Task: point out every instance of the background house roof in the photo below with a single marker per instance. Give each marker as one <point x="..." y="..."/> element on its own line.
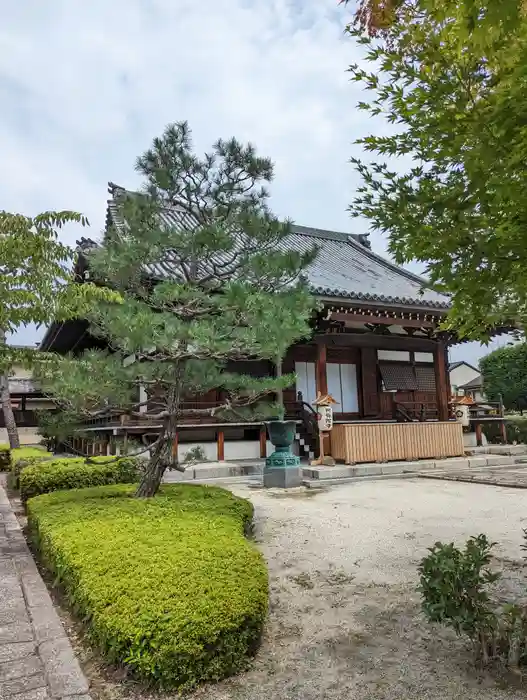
<point x="475" y="383"/>
<point x="345" y="267"/>
<point x="455" y="365"/>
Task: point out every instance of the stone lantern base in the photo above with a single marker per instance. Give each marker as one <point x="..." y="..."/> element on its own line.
<point x="282" y="468"/>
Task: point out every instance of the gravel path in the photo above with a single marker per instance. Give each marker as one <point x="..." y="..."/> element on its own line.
<point x="345" y="620"/>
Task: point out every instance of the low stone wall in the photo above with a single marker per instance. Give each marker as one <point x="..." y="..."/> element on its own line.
<point x="28" y="436"/>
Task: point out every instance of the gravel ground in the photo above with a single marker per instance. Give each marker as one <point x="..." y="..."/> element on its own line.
<point x="344" y="619"/>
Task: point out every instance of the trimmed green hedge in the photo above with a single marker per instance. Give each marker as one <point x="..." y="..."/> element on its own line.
<point x="168" y="586"/>
<point x="18" y="464"/>
<point x="75" y="473"/>
<point x="5" y="457"/>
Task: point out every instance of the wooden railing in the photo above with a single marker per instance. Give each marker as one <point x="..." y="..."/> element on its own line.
<point x="294" y="411"/>
<point x="308" y="425"/>
<point x="412" y="411"/>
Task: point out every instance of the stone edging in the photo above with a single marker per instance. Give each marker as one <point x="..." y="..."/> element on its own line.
<point x="37" y="661"/>
<point x="469" y="479"/>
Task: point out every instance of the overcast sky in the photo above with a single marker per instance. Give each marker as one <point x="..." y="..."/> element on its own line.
<point x="85" y="86"/>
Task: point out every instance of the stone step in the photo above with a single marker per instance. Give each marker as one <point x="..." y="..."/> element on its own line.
<point x="340" y="472"/>
<point x="323" y="483"/>
<point x="214" y="470"/>
<point x="508" y="450"/>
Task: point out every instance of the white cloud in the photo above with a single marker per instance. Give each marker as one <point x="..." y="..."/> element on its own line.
<point x="85" y="86"/>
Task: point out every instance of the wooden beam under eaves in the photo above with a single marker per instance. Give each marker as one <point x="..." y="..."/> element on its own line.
<point x="384" y="320"/>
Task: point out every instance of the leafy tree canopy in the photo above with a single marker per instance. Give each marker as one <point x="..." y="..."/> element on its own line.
<point x="206" y="280"/>
<point x="504" y="373"/>
<point x="450" y="76"/>
<point x="36" y="286"/>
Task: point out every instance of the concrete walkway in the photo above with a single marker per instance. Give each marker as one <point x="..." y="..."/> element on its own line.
<point x="36" y="658"/>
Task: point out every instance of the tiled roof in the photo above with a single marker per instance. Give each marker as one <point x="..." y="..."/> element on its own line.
<point x="345" y="267"/>
<point x="455" y="365"/>
<point x="475" y="383"/>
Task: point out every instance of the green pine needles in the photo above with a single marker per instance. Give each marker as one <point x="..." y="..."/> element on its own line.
<point x="206" y="279"/>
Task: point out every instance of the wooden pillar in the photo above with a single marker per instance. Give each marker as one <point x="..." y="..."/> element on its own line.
<point x="369" y="381"/>
<point x="442" y="381"/>
<point x="220" y="444"/>
<point x="321" y="376"/>
<point x="263" y="442"/>
<point x="503" y="431"/>
<point x="321" y="379"/>
<point x="175" y="446"/>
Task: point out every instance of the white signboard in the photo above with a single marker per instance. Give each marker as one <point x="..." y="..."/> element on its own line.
<point x="325" y="418"/>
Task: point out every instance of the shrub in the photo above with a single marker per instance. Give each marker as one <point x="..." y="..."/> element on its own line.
<point x="168" y="586"/>
<point x="5" y="457"/>
<point x="21" y="463"/>
<point x="516" y="427"/>
<point x="9" y="456"/>
<point x="74" y="473"/>
<point x="455" y="585"/>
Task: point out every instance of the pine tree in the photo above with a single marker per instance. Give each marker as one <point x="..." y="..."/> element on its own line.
<point x="206" y="279"/>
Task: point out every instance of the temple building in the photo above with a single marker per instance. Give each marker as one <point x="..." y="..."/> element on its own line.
<point x="376" y="348"/>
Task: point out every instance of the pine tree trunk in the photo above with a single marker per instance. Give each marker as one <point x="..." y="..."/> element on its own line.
<point x="152" y="477"/>
<point x="159" y="462"/>
<point x="7" y="410"/>
<point x="164" y="455"/>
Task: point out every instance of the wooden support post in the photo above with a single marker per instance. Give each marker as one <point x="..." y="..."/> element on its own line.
<point x="263" y="442"/>
<point x="479" y="435"/>
<point x="503" y="431"/>
<point x="321" y="376"/>
<point x="369" y="382"/>
<point x="175" y="446"/>
<point x="442" y="383"/>
<point x="220" y="444"/>
<point x="125" y="443"/>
